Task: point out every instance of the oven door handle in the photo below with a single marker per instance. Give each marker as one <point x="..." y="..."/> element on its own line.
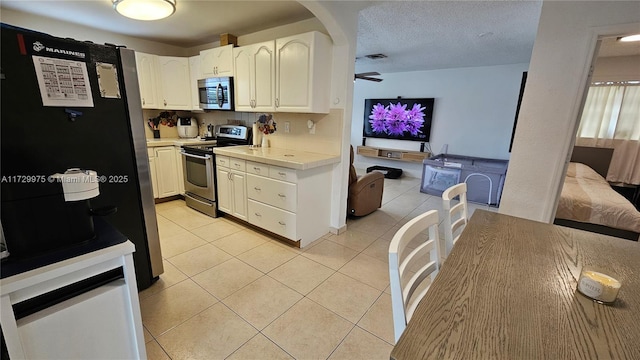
<point x="206" y="157"/>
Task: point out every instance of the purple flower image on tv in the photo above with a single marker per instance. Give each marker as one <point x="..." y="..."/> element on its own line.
<point x="396" y="119"/>
<point x="378" y="114"/>
<point x="415" y="119"/>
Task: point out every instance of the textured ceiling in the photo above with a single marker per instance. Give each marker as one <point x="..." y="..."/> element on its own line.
<point x="419" y="35"/>
<point x="415" y="35"/>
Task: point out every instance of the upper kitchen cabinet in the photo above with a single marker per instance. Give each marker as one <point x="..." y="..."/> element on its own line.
<point x="217" y="62"/>
<point x="255" y="77"/>
<point x="147" y="68"/>
<point x="194" y="72"/>
<point x="175" y="83"/>
<point x="303" y="73"/>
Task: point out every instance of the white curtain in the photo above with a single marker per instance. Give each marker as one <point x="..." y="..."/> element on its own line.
<point x="611" y="119"/>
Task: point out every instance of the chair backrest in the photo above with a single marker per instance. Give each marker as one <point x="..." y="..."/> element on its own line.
<point x="456" y="216"/>
<point x="414" y="256"/>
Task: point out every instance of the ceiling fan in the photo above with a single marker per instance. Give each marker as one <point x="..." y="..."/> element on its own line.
<point x="367" y="76"/>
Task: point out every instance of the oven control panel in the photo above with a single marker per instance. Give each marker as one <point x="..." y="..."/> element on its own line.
<point x="238" y="132"/>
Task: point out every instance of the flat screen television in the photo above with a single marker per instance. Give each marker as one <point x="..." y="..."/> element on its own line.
<point x="400" y="119"/>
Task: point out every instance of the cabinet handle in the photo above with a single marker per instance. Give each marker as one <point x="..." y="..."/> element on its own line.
<point x="258" y="215"/>
<point x="143" y="101"/>
<point x="282" y="174"/>
<point x="281" y="223"/>
<point x="277" y="102"/>
<point x="229" y="176"/>
<point x="237" y="165"/>
<point x="282" y="195"/>
<point x="257" y="169"/>
<point x="165" y="103"/>
<point x="257" y="188"/>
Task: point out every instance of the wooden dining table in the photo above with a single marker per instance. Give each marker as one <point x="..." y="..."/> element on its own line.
<point x="508" y="291"/>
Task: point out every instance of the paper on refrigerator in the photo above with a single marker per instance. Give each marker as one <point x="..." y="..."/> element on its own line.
<point x="63" y="82"/>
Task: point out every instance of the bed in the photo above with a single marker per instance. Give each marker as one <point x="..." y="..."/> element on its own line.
<point x="588" y="202"/>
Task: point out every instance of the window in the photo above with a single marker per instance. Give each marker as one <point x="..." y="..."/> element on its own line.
<point x="611" y="111"/>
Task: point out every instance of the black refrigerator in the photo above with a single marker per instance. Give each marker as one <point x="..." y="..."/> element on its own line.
<point x="72" y="104"/>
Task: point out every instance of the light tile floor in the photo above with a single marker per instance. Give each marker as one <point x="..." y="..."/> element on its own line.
<point x="229" y="292"/>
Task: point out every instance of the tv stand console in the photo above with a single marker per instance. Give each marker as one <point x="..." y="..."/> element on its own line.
<point x="393" y="154"/>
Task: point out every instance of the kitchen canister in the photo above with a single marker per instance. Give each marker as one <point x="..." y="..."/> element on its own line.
<point x="599" y="286"/>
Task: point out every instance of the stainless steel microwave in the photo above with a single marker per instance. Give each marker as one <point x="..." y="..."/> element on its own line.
<point x="216" y="93"/>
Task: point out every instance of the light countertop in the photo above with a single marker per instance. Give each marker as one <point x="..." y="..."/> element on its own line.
<point x="177" y="142"/>
<point x="293" y="159"/>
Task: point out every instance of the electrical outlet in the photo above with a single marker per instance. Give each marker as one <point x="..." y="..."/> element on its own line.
<point x="287" y="127"/>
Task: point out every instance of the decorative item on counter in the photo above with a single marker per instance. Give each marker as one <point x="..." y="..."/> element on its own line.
<point x="256" y="137"/>
<point x="598" y="286"/>
<point x="167" y="118"/>
<point x="266" y="125"/>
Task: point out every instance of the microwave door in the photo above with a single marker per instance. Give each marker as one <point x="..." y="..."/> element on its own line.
<point x="203" y="97"/>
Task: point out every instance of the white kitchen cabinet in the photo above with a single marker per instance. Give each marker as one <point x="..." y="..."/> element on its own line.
<point x="232" y="195"/>
<point x="303" y="73"/>
<point x="291" y="203"/>
<point x="180" y="169"/>
<point x="255" y="77"/>
<point x="166" y="171"/>
<point x="147" y="68"/>
<point x="217" y="62"/>
<point x="194" y="76"/>
<point x="175" y="83"/>
<point x="152" y="172"/>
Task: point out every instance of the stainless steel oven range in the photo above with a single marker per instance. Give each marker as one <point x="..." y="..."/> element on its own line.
<point x="199" y="167"/>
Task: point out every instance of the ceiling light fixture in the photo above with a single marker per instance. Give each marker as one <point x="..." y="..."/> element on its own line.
<point x="629" y="38"/>
<point x="145" y="9"/>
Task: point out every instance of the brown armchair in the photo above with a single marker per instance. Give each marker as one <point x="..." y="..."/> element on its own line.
<point x="365" y="192"/>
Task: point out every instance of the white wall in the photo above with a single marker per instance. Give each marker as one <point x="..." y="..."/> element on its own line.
<point x="474" y="111"/>
<point x="83" y="33"/>
<point x="553" y="99"/>
<point x="617" y="68"/>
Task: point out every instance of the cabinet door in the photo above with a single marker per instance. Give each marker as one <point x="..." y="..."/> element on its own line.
<point x="294" y="61"/>
<point x="224" y="190"/>
<point x="194" y="75"/>
<point x="166" y="171"/>
<point x="154" y="177"/>
<point x="303" y="73"/>
<point x="147" y="72"/>
<point x="239" y="195"/>
<point x="179" y="169"/>
<point x="175" y="83"/>
<point x="217" y="62"/>
<point x="264" y="66"/>
<point x="243" y="82"/>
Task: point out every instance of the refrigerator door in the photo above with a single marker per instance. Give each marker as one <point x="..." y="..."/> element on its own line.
<point x="136" y="121"/>
<point x="42" y="135"/>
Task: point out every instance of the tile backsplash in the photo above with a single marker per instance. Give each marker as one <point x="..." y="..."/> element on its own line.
<point x="326" y="139"/>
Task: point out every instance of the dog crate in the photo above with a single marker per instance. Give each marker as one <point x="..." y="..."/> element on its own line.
<point x="484" y="177"/>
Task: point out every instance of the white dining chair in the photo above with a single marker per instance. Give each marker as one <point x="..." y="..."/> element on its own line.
<point x="456" y="216"/>
<point x="422" y="253"/>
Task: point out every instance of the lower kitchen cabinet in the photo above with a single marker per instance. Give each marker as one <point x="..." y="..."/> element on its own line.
<point x="180" y="170"/>
<point x="294" y="204"/>
<point x="232" y="195"/>
<point x="154" y="177"/>
<point x="165" y="165"/>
